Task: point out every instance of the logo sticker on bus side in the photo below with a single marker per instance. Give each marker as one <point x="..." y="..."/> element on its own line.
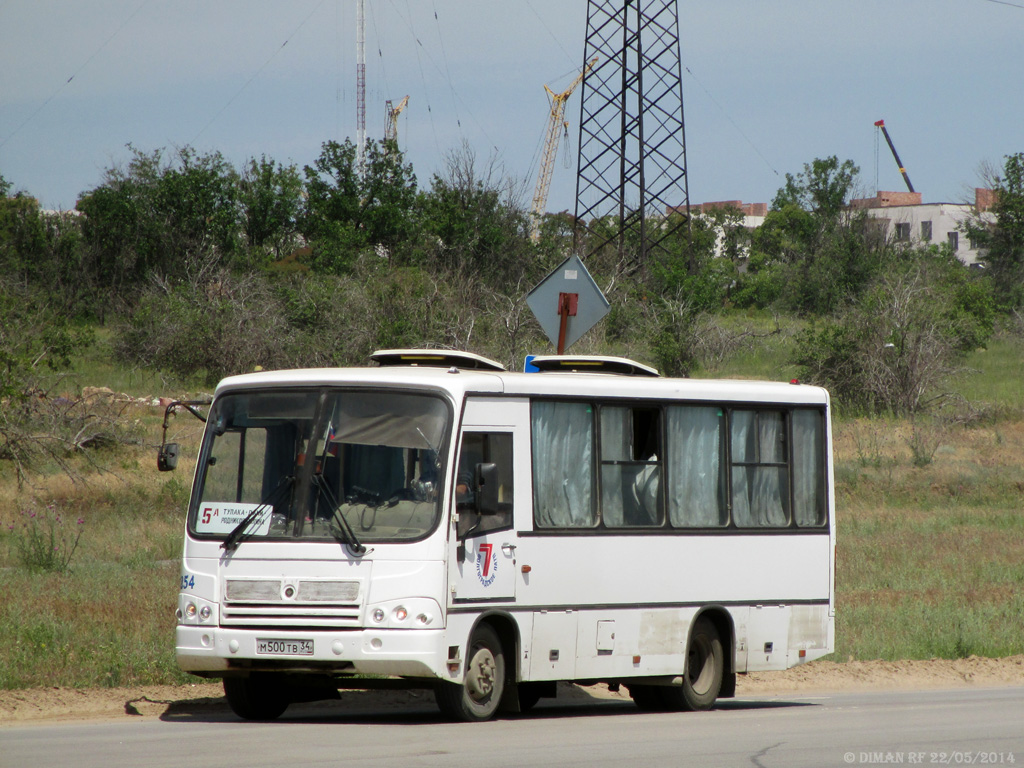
<point x="486" y="564"/>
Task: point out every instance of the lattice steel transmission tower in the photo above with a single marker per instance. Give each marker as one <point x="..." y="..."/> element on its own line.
<point x="632" y="147"/>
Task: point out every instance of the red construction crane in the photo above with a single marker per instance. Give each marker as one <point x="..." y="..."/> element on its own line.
<point x="899" y="164"/>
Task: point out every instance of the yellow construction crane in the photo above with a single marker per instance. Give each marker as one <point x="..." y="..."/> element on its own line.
<point x="391" y="129"/>
<point x="547" y="163"/>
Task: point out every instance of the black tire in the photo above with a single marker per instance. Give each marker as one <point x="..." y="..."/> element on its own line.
<point x="478" y="697"/>
<point x="259" y="696"/>
<point x="647" y="697"/>
<point x="705" y="669"/>
<point x="529" y="695"/>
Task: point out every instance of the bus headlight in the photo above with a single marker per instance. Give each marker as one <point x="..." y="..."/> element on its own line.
<point x="409" y="613"/>
<point x="195" y="610"/>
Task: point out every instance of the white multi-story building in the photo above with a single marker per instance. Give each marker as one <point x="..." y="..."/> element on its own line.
<point x="908" y="220"/>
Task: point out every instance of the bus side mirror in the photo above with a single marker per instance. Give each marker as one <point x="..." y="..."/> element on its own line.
<point x="485" y="482"/>
<point x="167" y="458"/>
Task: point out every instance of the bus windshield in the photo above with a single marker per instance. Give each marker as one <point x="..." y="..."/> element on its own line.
<point x="321" y="464"/>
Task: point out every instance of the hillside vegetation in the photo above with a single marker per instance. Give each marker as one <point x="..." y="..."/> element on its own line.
<point x="175" y="272"/>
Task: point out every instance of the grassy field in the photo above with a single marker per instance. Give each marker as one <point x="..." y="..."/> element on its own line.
<point x="930" y="555"/>
<point x="109" y="620"/>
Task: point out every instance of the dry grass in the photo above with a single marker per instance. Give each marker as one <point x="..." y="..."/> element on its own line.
<point x="110" y="619"/>
<point x="930" y="555"/>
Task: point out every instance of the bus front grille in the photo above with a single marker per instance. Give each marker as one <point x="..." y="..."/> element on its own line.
<point x="291" y="615"/>
<point x="291" y="603"/>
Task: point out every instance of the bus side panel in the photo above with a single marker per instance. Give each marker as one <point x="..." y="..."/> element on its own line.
<point x="631" y="615"/>
<point x="554" y="652"/>
<point x="570" y="571"/>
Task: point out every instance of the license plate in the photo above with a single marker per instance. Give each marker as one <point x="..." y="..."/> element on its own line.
<point x="285" y="647"/>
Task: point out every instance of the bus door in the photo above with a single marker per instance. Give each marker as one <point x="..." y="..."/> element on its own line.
<point x="482" y="560"/>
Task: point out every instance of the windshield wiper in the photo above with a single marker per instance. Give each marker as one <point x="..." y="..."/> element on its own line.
<point x="339" y="524"/>
<point x="235" y="537"/>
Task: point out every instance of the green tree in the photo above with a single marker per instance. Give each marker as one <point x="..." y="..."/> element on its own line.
<point x="823" y="187"/>
<point x="169" y="220"/>
<point x="1003" y="240"/>
<point x="22" y="235"/>
<point x="812" y="255"/>
<point x="270" y="196"/>
<point x="349" y="209"/>
<point x="229" y="325"/>
<point x="698" y="262"/>
<point x="473" y="222"/>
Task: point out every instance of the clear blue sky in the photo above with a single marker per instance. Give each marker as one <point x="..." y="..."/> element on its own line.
<point x="769" y="85"/>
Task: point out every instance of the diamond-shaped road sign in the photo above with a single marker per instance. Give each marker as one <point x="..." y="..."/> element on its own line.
<point x="567" y="303"/>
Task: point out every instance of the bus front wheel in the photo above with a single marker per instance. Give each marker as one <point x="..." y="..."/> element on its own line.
<point x="256" y="697"/>
<point x="705" y="669"/>
<point x="478" y="697"/>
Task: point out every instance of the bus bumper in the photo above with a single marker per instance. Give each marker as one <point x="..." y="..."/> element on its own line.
<point x="216" y="651"/>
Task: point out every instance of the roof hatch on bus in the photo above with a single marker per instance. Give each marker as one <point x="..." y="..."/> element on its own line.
<point x="434" y="358"/>
<point x="592" y="364"/>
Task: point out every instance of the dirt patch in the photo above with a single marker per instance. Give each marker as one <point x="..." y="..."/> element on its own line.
<point x="50" y="704"/>
<point x="886" y="675"/>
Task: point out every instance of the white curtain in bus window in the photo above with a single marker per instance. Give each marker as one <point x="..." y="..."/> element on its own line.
<point x="629" y="481"/>
<point x="808" y="476"/>
<point x="615" y="447"/>
<point x="695" y="490"/>
<point x="563" y="438"/>
<point x="759" y="482"/>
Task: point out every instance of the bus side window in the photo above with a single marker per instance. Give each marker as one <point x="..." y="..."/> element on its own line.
<point x="630" y="469"/>
<point x="808" y="474"/>
<point x="697" y="489"/>
<point x="483" y="448"/>
<point x="760" y="472"/>
<point x="562" y="452"/>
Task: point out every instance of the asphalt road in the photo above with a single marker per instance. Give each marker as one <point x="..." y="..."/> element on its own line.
<point x="960" y="727"/>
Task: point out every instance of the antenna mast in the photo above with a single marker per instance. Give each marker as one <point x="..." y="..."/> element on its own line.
<point x="361" y="83"/>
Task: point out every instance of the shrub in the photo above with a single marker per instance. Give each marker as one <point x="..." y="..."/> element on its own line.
<point x="216" y="328"/>
<point x="43" y="540"/>
<point x="894" y="348"/>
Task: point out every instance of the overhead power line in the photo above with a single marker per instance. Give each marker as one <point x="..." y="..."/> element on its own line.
<point x="75" y="74"/>
<point x="257" y="72"/>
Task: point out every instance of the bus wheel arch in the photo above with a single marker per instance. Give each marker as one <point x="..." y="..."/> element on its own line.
<point x="707" y="664"/>
<point x="489" y="673"/>
<point x="709" y="672"/>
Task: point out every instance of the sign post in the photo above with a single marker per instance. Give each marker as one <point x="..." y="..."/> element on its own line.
<point x="567" y="303"/>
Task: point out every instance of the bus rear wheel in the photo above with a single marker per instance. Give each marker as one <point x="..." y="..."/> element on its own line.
<point x="705" y="669"/>
<point x="259" y="696"/>
<point x="478" y="697"/>
<point x="648" y="698"/>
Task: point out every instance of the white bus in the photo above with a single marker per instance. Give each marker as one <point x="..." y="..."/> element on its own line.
<point x="436" y="521"/>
